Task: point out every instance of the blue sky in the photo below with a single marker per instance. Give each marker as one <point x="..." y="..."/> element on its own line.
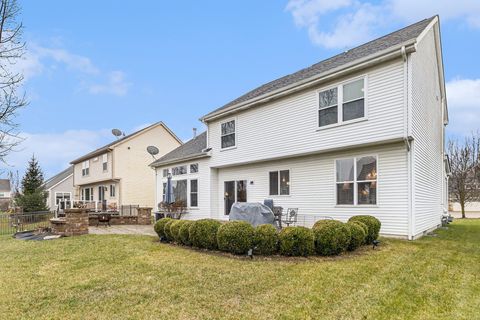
<point x="95" y="65"/>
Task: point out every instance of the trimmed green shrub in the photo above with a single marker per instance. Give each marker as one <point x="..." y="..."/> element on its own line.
<point x="363" y="226"/>
<point x="203" y="233"/>
<point x="296" y="241"/>
<point x="373" y="225"/>
<point x="184" y="232"/>
<point x="175" y="230"/>
<point x="235" y="237"/>
<point x="332" y="237"/>
<point x="168" y="231"/>
<point x="160" y="227"/>
<point x="357" y="235"/>
<point x="265" y="239"/>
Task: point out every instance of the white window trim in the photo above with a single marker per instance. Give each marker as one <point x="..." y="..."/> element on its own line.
<point x="340" y="103"/>
<point x="189" y="187"/>
<point x="110" y="190"/>
<point x="355" y="182"/>
<point x="105" y="161"/>
<point x="236" y="134"/>
<point x="85" y="166"/>
<point x="290" y="185"/>
<point x="190" y="168"/>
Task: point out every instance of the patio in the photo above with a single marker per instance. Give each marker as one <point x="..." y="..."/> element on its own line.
<point x="123" y="229"/>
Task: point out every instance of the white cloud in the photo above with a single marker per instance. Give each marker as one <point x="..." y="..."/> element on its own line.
<point x="116" y="84"/>
<point x="39" y="60"/>
<point x="345" y="23"/>
<point x="463" y="103"/>
<point x="56" y="150"/>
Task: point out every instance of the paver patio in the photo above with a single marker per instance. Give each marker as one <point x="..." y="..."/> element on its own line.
<point x="123" y="229"/>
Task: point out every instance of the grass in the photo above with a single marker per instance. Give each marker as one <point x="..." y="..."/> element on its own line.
<point x="136" y="277"/>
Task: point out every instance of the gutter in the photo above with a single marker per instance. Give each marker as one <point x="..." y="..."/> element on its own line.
<point x="385" y="55"/>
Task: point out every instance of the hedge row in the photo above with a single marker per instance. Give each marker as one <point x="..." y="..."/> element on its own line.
<point x="327" y="237"/>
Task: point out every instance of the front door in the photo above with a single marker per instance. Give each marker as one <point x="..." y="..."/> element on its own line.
<point x="234" y="191"/>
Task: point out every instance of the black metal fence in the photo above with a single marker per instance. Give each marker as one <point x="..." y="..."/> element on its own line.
<point x="11" y="223"/>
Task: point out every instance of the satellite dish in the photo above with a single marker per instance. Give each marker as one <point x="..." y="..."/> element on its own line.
<point x="153" y="151"/>
<point x="117" y="133"/>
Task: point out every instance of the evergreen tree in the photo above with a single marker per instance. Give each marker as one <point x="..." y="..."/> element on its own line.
<point x="33" y="196"/>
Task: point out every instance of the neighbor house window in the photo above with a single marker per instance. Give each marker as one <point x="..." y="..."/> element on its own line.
<point x="342" y="103"/>
<point x="112" y="190"/>
<point x="87" y="194"/>
<point x="279" y="182"/>
<point x="194" y="193"/>
<point x="179" y="170"/>
<point x="228" y="134"/>
<point x="165" y="173"/>
<point x="85" y="168"/>
<point x="356" y="180"/>
<point x="105" y="162"/>
<point x="194" y="168"/>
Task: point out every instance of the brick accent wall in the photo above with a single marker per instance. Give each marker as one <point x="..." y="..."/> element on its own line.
<point x="145" y="216"/>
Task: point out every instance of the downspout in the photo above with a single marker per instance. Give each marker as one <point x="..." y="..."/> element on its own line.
<point x="408" y="139"/>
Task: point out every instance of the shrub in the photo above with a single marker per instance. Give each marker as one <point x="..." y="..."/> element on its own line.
<point x="184" y="233"/>
<point x="265" y="239"/>
<point x="160" y="227"/>
<point x="357" y="235"/>
<point x="235" y="237"/>
<point x="175" y="230"/>
<point x="203" y="233"/>
<point x="296" y="241"/>
<point x="373" y="225"/>
<point x="363" y="226"/>
<point x="332" y="237"/>
<point x="168" y="231"/>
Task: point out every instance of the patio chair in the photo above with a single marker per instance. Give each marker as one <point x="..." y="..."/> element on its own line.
<point x="278" y="212"/>
<point x="291" y="216"/>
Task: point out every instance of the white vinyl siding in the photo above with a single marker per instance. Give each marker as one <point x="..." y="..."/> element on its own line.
<point x="85" y="168"/>
<point x="426" y="129"/>
<point x="289" y="126"/>
<point x="313" y="192"/>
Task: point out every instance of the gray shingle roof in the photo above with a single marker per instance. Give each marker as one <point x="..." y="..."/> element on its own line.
<point x="58" y="177"/>
<point x="106" y="147"/>
<point x="391" y="40"/>
<point x="5" y="185"/>
<point x="189" y="149"/>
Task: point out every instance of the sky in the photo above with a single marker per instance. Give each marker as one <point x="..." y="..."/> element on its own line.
<point x="91" y="66"/>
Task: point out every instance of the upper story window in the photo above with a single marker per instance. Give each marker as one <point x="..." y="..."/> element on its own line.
<point x="342" y="103"/>
<point x="356" y="181"/>
<point x="105" y="162"/>
<point x="179" y="170"/>
<point x="228" y="134"/>
<point x="194" y="168"/>
<point x="280" y="183"/>
<point x="85" y="168"/>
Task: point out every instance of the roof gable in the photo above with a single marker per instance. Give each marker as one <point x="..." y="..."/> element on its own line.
<point x="56" y="179"/>
<point x="343" y="59"/>
<point x="192" y="148"/>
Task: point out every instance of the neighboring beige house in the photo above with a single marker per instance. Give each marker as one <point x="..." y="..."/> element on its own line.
<point x="118" y="174"/>
<point x="5" y="194"/>
<point x="60" y="190"/>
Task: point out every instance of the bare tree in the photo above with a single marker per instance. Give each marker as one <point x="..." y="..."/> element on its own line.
<point x="465" y="170"/>
<point x="12" y="49"/>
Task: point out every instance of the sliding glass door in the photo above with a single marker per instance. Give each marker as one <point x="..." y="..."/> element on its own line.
<point x="234" y="191"/>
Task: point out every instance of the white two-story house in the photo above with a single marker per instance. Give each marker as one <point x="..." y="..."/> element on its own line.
<point x="118" y="173"/>
<point x="359" y="133"/>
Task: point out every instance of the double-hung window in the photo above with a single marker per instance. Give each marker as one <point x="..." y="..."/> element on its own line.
<point x="356" y="181"/>
<point x="342" y="103"/>
<point x="85" y="168"/>
<point x="194" y="193"/>
<point x="228" y="134"/>
<point x="279" y="182"/>
<point x="105" y="162"/>
<point x="87" y="194"/>
<point x="112" y="191"/>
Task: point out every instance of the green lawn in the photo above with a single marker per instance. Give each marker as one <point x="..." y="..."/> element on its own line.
<point x="133" y="277"/>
